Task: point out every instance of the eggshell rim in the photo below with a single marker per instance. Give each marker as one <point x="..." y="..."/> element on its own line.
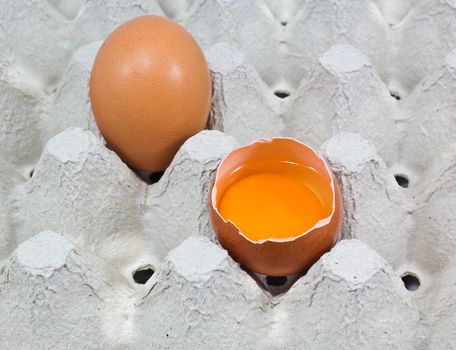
<point x="320" y="223"/>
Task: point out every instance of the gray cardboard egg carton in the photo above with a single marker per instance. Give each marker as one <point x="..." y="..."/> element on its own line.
<point x="371" y="84"/>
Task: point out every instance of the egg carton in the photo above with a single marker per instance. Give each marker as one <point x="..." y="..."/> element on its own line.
<point x="371" y="84"/>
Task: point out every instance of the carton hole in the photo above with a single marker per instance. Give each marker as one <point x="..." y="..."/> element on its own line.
<point x="395" y="95"/>
<point x="149" y="178"/>
<point x="402" y="180"/>
<point x="275" y="285"/>
<point x="411" y="281"/>
<point x="276" y="281"/>
<point x="282" y="93"/>
<point x="141" y="276"/>
<point x="154" y="177"/>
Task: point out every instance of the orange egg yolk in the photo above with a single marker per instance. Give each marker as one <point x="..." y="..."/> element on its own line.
<point x="274" y="205"/>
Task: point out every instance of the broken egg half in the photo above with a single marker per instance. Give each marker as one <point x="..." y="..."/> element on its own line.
<point x="275" y="206"/>
<point x="150" y="90"/>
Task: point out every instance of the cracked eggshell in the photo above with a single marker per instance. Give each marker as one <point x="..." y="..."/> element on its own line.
<point x="276" y="256"/>
<point x="150" y="90"/>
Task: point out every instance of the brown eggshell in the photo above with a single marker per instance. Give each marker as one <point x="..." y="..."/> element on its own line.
<point x="276" y="257"/>
<point x="150" y="90"/>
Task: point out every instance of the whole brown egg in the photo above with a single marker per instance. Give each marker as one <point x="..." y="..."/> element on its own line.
<point x="150" y="90"/>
